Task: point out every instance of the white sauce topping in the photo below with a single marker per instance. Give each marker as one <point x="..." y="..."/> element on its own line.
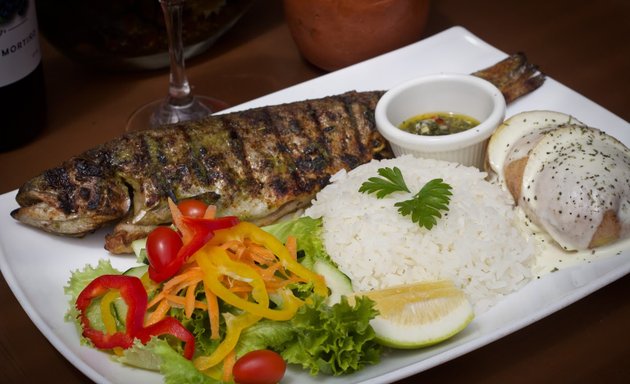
<point x="573" y="176"/>
<point x="552" y="258"/>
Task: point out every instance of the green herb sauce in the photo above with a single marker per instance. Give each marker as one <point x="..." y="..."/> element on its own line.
<point x="438" y="123"/>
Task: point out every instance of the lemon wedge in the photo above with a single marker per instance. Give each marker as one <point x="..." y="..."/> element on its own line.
<point x="420" y="314"/>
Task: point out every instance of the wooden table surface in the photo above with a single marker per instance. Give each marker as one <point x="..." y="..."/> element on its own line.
<point x="583" y="44"/>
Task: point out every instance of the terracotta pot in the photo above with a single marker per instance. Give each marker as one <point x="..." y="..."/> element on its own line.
<point x="333" y="34"/>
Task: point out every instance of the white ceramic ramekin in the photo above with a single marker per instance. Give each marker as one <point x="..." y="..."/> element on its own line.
<point x="463" y="94"/>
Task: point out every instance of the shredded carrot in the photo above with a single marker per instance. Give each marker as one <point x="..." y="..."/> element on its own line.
<point x="186" y="280"/>
<point x="180" y="302"/>
<point x="228" y="366"/>
<point x="291" y="245"/>
<point x="237" y="286"/>
<point x="169" y="296"/>
<point x="188" y="276"/>
<point x="213" y="312"/>
<point x="156" y="299"/>
<point x="159" y="313"/>
<point x="178" y="220"/>
<point x="189" y="306"/>
<point x="235" y="248"/>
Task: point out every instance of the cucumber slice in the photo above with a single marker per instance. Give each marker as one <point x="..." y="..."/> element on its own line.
<point x="137" y="271"/>
<point x="120" y="310"/>
<point x="139" y="249"/>
<point x="338" y="283"/>
<point x="94" y="315"/>
<point x="96" y="319"/>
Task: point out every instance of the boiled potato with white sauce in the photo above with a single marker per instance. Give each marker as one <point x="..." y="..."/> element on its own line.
<point x="571" y="180"/>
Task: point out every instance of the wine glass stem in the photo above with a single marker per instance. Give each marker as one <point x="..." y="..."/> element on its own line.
<point x="179" y="93"/>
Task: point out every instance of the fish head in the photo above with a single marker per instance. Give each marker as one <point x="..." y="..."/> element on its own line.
<point x="73" y="199"/>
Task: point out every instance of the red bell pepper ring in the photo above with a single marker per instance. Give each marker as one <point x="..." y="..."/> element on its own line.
<point x="170" y="326"/>
<point x="133" y="293"/>
<point x="195" y="232"/>
<point x="135" y="296"/>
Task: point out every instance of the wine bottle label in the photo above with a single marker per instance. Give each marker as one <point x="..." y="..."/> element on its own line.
<point x="19" y="41"/>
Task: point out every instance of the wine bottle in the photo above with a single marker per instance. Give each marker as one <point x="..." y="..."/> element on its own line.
<point x="22" y="94"/>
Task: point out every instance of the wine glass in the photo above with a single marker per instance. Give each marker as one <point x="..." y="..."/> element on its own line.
<point x="180" y="104"/>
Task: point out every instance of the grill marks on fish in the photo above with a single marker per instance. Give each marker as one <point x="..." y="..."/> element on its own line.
<point x="289" y="153"/>
<point x="259" y="164"/>
<point x="209" y="152"/>
<point x="301" y="150"/>
<point x="268" y="161"/>
<point x="253" y="147"/>
<point x="151" y="174"/>
<point x="338" y="141"/>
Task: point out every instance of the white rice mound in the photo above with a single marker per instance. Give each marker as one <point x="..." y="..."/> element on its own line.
<point x="476" y="244"/>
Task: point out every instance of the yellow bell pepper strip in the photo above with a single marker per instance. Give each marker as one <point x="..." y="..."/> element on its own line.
<point x="106" y="314"/>
<point x="244" y="230"/>
<point x="235" y="325"/>
<point x="215" y="263"/>
<point x="108" y="318"/>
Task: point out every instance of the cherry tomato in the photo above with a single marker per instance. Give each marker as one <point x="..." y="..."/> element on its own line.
<point x="163" y="243"/>
<point x="259" y="367"/>
<point x="192" y="208"/>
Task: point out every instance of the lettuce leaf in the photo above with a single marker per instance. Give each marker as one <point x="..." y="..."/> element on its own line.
<point x="175" y="368"/>
<point x="332" y="340"/>
<point x="265" y="334"/>
<point x="308" y="231"/>
<point x="80" y="278"/>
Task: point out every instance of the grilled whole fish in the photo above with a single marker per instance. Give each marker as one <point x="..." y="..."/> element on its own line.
<point x="258" y="164"/>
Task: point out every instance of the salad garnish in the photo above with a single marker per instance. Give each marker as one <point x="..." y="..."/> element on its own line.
<point x="200" y="301"/>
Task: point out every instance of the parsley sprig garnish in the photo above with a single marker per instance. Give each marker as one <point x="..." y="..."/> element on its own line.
<point x="392" y="181"/>
<point x="424" y="207"/>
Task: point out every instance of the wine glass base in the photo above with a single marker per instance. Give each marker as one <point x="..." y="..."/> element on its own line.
<point x="147" y="117"/>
